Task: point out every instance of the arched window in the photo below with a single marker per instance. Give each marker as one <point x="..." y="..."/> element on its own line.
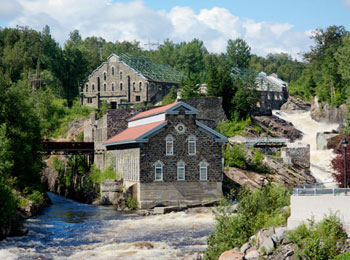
<point x="93" y="88"/>
<point x="169" y="145"/>
<point x="104" y="87"/>
<point x="133" y="86"/>
<point x="113" y="71"/>
<point x="87" y="88"/>
<point x="112" y="86"/>
<point x="192" y="145"/>
<point x="158" y="171"/>
<point x="203" y="171"/>
<point x="104" y="76"/>
<point x="121" y="86"/>
<point x="180" y="171"/>
<point x="121" y="75"/>
<point x="140" y="86"/>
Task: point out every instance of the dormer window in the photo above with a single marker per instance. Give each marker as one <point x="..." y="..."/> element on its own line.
<point x="191" y="145"/>
<point x="181" y="171"/>
<point x="169" y="145"/>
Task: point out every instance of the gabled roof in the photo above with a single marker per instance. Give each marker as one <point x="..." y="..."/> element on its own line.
<point x="137" y="134"/>
<point x="146" y="68"/>
<point x="168" y="109"/>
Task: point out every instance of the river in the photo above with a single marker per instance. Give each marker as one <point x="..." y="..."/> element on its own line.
<point x="320" y="160"/>
<point x="71" y="230"/>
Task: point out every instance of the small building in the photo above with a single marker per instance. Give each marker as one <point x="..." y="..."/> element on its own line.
<point x="168" y="157"/>
<point x="125" y="80"/>
<point x="273" y="92"/>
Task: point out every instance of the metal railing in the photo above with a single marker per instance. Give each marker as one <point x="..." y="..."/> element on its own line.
<point x="321" y="191"/>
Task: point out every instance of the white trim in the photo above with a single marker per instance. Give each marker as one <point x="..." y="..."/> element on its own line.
<point x="183" y="166"/>
<point x="218" y="137"/>
<point x="203" y="165"/>
<point x="169" y="139"/>
<point x="192" y="140"/>
<point x="146" y="121"/>
<point x="158" y="165"/>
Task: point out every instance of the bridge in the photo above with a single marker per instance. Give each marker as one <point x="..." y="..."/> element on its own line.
<point x="68" y="147"/>
<point x="259" y="142"/>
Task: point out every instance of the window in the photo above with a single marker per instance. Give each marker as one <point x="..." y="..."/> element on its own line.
<point x="113" y="71"/>
<point x="87" y="88"/>
<point x="203" y="171"/>
<point x="140" y="86"/>
<point x="181" y="171"/>
<point x="112" y="86"/>
<point x="104" y="76"/>
<point x="192" y="145"/>
<point x="121" y="86"/>
<point x="158" y="171"/>
<point x="104" y="87"/>
<point x="133" y="86"/>
<point x="89" y="100"/>
<point x="137" y="98"/>
<point x="93" y="88"/>
<point x="121" y="75"/>
<point x="169" y="147"/>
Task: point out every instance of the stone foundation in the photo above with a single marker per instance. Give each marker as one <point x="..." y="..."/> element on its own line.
<point x="175" y="193"/>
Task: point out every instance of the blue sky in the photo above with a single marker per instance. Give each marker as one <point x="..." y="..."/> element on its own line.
<point x="269" y="26"/>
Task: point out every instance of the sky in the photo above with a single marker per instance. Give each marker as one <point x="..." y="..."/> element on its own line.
<point x="268" y="26"/>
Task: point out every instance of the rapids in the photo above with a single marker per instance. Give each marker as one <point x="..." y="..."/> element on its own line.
<point x="70" y="230"/>
<point x="319" y="159"/>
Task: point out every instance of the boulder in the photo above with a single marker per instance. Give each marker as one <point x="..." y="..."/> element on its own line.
<point x="252" y="255"/>
<point x="231" y="255"/>
<point x="280" y="235"/>
<point x="263" y="234"/>
<point x="245" y="247"/>
<point x="267" y="246"/>
<point x="295" y="104"/>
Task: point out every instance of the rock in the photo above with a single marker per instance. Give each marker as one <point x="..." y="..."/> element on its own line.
<point x="267" y="246"/>
<point x="263" y="234"/>
<point x="278" y="127"/>
<point x="142" y="245"/>
<point x="280" y="234"/>
<point x="231" y="255"/>
<point x="322" y="112"/>
<point x="245" y="247"/>
<point x="295" y="104"/>
<point x="252" y="255"/>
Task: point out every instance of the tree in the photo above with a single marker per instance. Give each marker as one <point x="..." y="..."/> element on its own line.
<point x="343" y="58"/>
<point x="238" y="52"/>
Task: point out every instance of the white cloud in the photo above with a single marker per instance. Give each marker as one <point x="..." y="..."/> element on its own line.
<point x="135" y="21"/>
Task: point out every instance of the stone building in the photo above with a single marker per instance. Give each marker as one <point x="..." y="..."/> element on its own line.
<point x="168" y="157"/>
<point x="273" y="92"/>
<point x="124" y="80"/>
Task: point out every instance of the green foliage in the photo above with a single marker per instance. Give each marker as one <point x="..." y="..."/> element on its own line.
<point x="277" y="155"/>
<point x="255" y="211"/>
<point x="231" y="128"/>
<point x="98" y="176"/>
<point x="103" y="110"/>
<point x="131" y="203"/>
<point x="80" y="137"/>
<point x="170" y="98"/>
<point x="37" y="197"/>
<point x="238" y="52"/>
<point x="9" y="202"/>
<point x="258" y="157"/>
<point x="319" y="240"/>
<point x="345" y="256"/>
<point x="234" y="156"/>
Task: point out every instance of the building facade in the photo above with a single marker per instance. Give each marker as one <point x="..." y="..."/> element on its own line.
<point x="125" y="80"/>
<point x="168" y="157"/>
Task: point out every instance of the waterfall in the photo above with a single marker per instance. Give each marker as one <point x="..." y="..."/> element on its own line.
<point x="319" y="159"/>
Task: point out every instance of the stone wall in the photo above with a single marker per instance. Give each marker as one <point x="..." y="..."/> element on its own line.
<point x="207" y="150"/>
<point x="297" y="154"/>
<point x="176" y="193"/>
<point x="210" y="111"/>
<point x="111" y="190"/>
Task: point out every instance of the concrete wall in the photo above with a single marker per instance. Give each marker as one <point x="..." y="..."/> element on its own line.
<point x="306" y="207"/>
<point x="175" y="193"/>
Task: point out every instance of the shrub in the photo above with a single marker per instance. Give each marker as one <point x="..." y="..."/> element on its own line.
<point x="233" y="127"/>
<point x="37" y="197"/>
<point x="255" y="211"/>
<point x="131" y="203"/>
<point x="97" y="176"/>
<point x="319" y="241"/>
<point x="345" y="256"/>
<point x="234" y="156"/>
<point x="8" y="198"/>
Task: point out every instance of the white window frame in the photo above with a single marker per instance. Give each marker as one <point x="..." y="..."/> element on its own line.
<point x="158" y="165"/>
<point x="169" y="140"/>
<point x="192" y="140"/>
<point x="203" y="166"/>
<point x="181" y="166"/>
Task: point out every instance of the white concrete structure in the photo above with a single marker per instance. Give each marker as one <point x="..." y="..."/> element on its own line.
<point x="317" y="207"/>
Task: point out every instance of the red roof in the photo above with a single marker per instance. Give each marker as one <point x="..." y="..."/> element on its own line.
<point x="153" y="111"/>
<point x="133" y="133"/>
